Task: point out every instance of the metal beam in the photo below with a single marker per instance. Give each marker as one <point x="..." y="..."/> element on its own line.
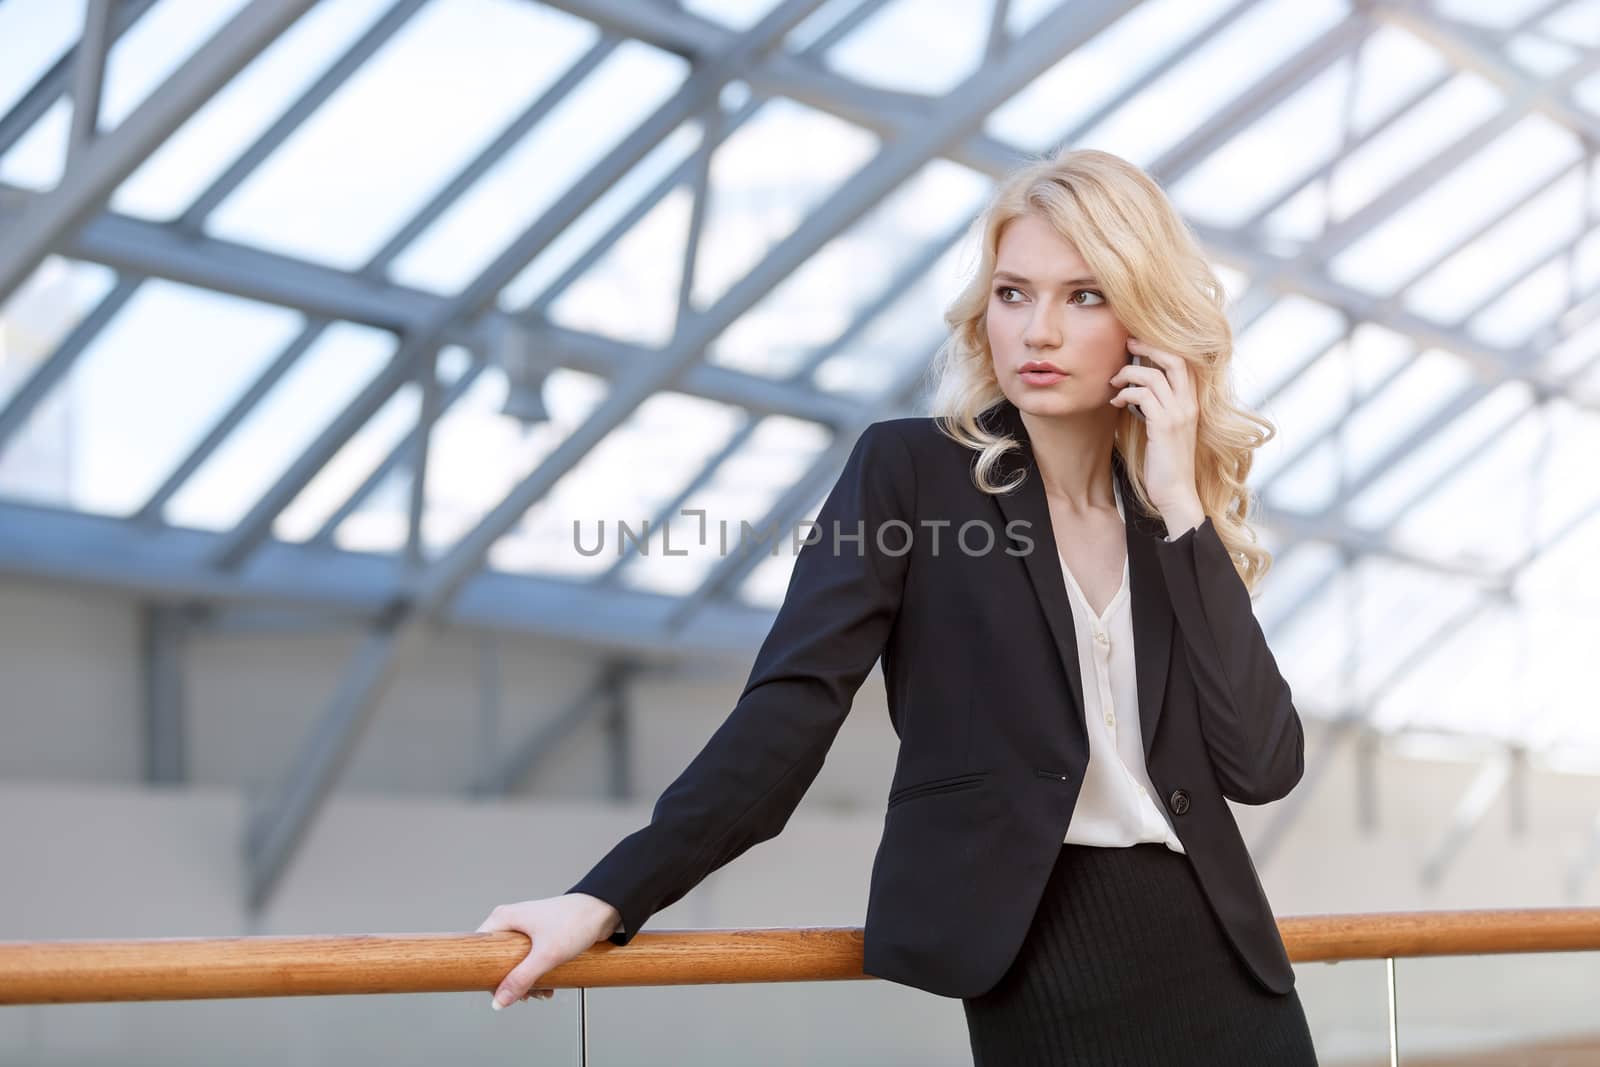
<point x="733" y="568"/>
<point x="85" y="186"/>
<point x="183" y="233"/>
<point x="403" y="454"/>
<point x="88" y="75"/>
<point x="303" y="586"/>
<point x="602" y="696"/>
<point x="277" y="830"/>
<point x="163" y="634"/>
<point x="43" y="94"/>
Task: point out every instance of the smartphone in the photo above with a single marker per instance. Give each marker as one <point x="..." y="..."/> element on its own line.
<point x="1138" y="361"/>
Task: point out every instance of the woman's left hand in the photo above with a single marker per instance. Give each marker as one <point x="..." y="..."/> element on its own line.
<point x="1165" y="394"/>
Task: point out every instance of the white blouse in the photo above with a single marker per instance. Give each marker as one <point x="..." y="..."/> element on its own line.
<point x="1115" y="806"/>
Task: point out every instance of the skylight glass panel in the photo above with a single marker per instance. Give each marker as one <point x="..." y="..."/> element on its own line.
<point x="1224" y="66"/>
<point x="563" y="255"/>
<point x="607" y="486"/>
<point x="1484" y="513"/>
<point x="1474" y="679"/>
<point x="1367" y="626"/>
<point x="766" y="178"/>
<point x="35" y="162"/>
<point x="322" y="382"/>
<point x="1586" y="94"/>
<point x="892" y="346"/>
<point x="1489" y="14"/>
<point x="1398" y="403"/>
<point x="45" y="308"/>
<point x="201" y="149"/>
<point x="631" y="292"/>
<point x="1437" y="458"/>
<point x="1564" y="574"/>
<point x="1438" y="217"/>
<point x="1539" y="55"/>
<point x="1482" y="269"/>
<point x="919" y="46"/>
<point x="154" y="48"/>
<point x="36" y="34"/>
<point x="1023" y="15"/>
<point x="815" y="304"/>
<point x="1089" y="77"/>
<point x="1310" y="410"/>
<point x="1568" y="462"/>
<point x="828" y="15"/>
<point x="768" y="582"/>
<point x="146" y="389"/>
<point x="1231" y="184"/>
<point x="360" y="167"/>
<point x="1234" y="282"/>
<point x="1394" y="66"/>
<point x="1508" y="673"/>
<point x="1578" y="349"/>
<point x="545" y="165"/>
<point x="1280" y="340"/>
<point x="151" y="50"/>
<point x="735" y="14"/>
<point x="476" y="453"/>
<point x="1529" y="304"/>
<point x="676" y="436"/>
<point x="1312" y="645"/>
<point x="36" y="462"/>
<point x="1410" y="141"/>
<point x="1586" y="387"/>
<point x="1298" y="571"/>
<point x="1578" y="22"/>
<point x="743" y="490"/>
<point x="348" y="468"/>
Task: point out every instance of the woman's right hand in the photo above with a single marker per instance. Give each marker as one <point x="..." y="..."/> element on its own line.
<point x="559" y="928"/>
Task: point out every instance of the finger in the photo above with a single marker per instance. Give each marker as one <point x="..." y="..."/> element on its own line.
<point x="516" y="984"/>
<point x="1137" y="394"/>
<point x="1161" y="377"/>
<point x="1179" y="372"/>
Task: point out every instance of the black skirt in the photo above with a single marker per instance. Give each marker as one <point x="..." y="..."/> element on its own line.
<point x="1125" y="963"/>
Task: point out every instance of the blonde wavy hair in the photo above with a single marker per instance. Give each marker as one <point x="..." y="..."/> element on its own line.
<point x="1162" y="289"/>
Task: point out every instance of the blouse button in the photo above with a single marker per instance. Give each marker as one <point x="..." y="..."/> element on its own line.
<point x="1099" y="635"/>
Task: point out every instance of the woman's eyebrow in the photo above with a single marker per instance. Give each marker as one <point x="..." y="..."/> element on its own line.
<point x="1005" y="275"/>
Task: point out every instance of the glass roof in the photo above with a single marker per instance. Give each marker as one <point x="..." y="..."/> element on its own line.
<point x="459" y="237"/>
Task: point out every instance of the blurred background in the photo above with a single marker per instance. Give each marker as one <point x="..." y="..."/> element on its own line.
<point x="340" y="341"/>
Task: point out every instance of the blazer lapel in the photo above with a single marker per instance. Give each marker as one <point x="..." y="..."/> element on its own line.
<point x="1152" y="612"/>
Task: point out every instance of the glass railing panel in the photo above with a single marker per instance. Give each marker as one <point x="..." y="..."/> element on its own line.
<point x="776" y="1024"/>
<point x="1347" y="1008"/>
<point x="1533" y="1010"/>
<point x="409" y="1030"/>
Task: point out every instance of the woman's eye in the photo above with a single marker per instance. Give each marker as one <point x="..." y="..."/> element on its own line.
<point x="1003" y="290"/>
<point x="1098" y="298"/>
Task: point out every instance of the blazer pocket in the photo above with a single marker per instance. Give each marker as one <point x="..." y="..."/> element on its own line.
<point x="937" y="785"/>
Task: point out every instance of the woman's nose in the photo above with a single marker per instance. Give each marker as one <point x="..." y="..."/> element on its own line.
<point x="1041" y="332"/>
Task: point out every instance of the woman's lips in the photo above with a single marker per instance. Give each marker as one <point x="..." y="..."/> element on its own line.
<point x="1041" y="377"/>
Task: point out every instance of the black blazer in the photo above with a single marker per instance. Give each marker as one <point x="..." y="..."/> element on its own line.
<point x="981" y="670"/>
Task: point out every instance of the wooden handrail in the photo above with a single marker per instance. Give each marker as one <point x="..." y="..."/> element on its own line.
<point x="195" y="968"/>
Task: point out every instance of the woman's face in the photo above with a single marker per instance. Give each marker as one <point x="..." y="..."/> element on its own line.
<point x="1046" y="308"/>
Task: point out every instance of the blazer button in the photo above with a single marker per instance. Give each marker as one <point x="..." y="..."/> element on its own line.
<point x="1179" y="801"/>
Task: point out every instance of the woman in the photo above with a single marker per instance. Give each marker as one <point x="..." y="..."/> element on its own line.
<point x="1076" y="695"/>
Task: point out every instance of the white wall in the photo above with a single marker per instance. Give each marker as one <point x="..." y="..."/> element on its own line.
<point x="90" y="852"/>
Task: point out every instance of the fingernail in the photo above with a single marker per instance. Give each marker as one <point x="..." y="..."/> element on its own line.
<point x="494" y="1001"/>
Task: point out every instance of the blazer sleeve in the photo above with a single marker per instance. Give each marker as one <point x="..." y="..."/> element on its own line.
<point x="1247" y="715"/>
<point x="842" y="600"/>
